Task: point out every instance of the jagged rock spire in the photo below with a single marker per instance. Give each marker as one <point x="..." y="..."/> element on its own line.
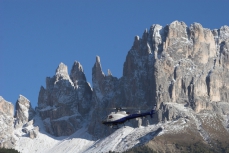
<point x="109" y="72"/>
<point x="24" y="111"/>
<point x="145" y="36"/>
<point x="6" y="107"/>
<point x="62" y="73"/>
<point x="62" y="70"/>
<point x="77" y="73"/>
<point x="136" y="44"/>
<point x="7" y="139"/>
<point x="65" y="99"/>
<point x="97" y="73"/>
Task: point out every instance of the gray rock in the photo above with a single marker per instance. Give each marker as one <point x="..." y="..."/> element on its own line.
<point x="167" y="65"/>
<point x="65" y="96"/>
<point x="29" y="123"/>
<point x="24" y="111"/>
<point x="82" y="88"/>
<point x="34" y="132"/>
<point x="6" y="124"/>
<point x="171" y="64"/>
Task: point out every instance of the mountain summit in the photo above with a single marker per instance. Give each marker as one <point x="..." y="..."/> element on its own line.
<point x="183" y="70"/>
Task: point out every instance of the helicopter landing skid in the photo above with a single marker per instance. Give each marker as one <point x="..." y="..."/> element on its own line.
<point x="116" y="126"/>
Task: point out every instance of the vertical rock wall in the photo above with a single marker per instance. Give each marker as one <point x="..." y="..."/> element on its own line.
<point x="6" y="124"/>
<point x="171" y="64"/>
<point x="65" y="100"/>
<point x="24" y="111"/>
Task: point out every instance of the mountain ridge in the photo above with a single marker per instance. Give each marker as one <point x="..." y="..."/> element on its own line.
<point x="183" y="70"/>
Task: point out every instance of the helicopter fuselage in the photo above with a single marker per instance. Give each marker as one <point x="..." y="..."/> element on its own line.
<point x="121" y="117"/>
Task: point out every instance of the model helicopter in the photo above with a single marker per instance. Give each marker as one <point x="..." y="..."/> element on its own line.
<point x="120" y="117"/>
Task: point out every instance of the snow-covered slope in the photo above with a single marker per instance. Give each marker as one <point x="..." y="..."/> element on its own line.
<point x="44" y="142"/>
<point x="122" y="139"/>
<point x="125" y="138"/>
<point x="204" y="126"/>
<point x="183" y="70"/>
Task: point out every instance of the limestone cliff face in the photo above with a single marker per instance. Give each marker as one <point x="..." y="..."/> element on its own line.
<point x="24" y="119"/>
<point x="64" y="101"/>
<point x="187" y="63"/>
<point x="183" y="70"/>
<point x="24" y="111"/>
<point x="171" y="64"/>
<point x="6" y="124"/>
<point x="15" y="125"/>
<point x="175" y="64"/>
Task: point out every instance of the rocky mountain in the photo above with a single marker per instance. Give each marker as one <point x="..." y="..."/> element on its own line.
<point x="24" y="112"/>
<point x="6" y="123"/>
<point x="183" y="70"/>
<point x="171" y="64"/>
<point x="20" y="124"/>
<point x="65" y="100"/>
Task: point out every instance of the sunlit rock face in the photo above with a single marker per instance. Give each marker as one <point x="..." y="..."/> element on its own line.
<point x="14" y="124"/>
<point x="64" y="101"/>
<point x="172" y="64"/>
<point x="6" y="124"/>
<point x="182" y="69"/>
<point x="24" y="111"/>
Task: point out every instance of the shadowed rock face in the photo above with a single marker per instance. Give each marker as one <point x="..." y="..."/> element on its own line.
<point x="64" y="101"/>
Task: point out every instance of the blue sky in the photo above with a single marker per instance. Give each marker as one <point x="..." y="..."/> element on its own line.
<point x="35" y="36"/>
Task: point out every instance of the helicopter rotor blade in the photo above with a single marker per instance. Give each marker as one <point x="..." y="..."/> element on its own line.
<point x="111" y="108"/>
<point x="130" y="108"/>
